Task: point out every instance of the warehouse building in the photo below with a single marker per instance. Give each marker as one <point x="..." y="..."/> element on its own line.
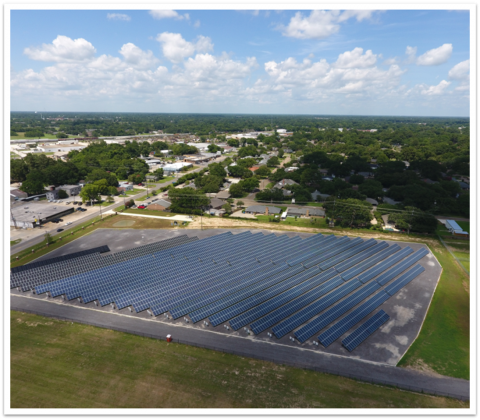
<point x="263" y="210"/>
<point x="71" y="190"/>
<point x="29" y="215"/>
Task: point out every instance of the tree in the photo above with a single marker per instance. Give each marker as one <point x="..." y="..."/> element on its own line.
<point x="236" y="190"/>
<point x="249" y="184"/>
<point x="136" y="178"/>
<point x="213" y="148"/>
<point x="187" y="200"/>
<point x="18" y="170"/>
<point x="158" y="173"/>
<point x="110" y="199"/>
<point x="183" y="149"/>
<point x="247" y="151"/>
<point x="61" y="136"/>
<point x="228" y="208"/>
<point x="350" y="212"/>
<point x="217" y="169"/>
<point x="263" y="171"/>
<point x="371" y="188"/>
<point x="281" y="153"/>
<point x="356" y="179"/>
<point x="34" y="183"/>
<point x="240" y="203"/>
<point x="273" y="161"/>
<point x="236" y="171"/>
<point x="102" y="186"/>
<point x="90" y="192"/>
<point x="62" y="194"/>
<point x="233" y="142"/>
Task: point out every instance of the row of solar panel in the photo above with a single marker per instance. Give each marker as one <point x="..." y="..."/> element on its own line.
<point x="80" y="265"/>
<point x="35" y="264"/>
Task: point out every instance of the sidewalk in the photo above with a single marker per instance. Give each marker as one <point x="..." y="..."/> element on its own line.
<point x="177" y="217"/>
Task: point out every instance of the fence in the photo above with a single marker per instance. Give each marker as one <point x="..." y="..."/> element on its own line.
<point x="453" y="255"/>
<point x="267" y="359"/>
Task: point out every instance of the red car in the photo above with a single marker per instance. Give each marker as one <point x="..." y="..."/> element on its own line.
<point x="142" y="207"/>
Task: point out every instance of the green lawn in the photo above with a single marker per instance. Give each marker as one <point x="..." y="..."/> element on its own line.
<point x="58" y="364"/>
<point x="21" y="136"/>
<point x="15" y="242"/>
<point x="443" y="343"/>
<point x="150" y="212"/>
<point x="319" y="222"/>
<point x="465" y="226"/>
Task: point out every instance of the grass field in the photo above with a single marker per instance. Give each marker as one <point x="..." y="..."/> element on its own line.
<point x="443" y="343"/>
<point x="57" y="364"/>
<point x="15" y="242"/>
<point x="465" y="226"/>
<point x="150" y="212"/>
<point x="21" y="136"/>
<point x="319" y="222"/>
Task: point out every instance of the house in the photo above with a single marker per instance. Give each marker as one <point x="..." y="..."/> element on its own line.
<point x="223" y="195"/>
<point x="291" y="169"/>
<point x="258" y="209"/>
<point x="160" y="205"/>
<point x="372" y="201"/>
<point x="17" y="194"/>
<point x="390" y="201"/>
<point x="305" y="212"/>
<point x="285" y="182"/>
<point x="464" y="185"/>
<point x="455" y="228"/>
<point x="366" y="175"/>
<point x="318" y="196"/>
<point x="126" y="186"/>
<point x="216" y="203"/>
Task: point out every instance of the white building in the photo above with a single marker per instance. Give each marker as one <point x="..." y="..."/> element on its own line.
<point x="281" y="131"/>
<point x="61" y="148"/>
<point x="177" y="166"/>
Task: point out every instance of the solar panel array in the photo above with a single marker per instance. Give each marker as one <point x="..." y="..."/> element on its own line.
<point x="35" y="264"/>
<point x="288" y="285"/>
<point x="357" y="337"/>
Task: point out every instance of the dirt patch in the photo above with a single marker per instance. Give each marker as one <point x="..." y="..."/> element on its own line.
<point x="466" y="286"/>
<point x="421" y="366"/>
<point x="124" y="223"/>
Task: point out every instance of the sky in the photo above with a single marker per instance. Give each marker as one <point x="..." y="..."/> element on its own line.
<point x="334" y="62"/>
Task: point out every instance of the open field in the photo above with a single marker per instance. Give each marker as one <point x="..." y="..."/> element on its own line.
<point x="465" y="226"/>
<point x="150" y="212"/>
<point x="21" y="136"/>
<point x="15" y="242"/>
<point x="57" y="364"/>
<point x="318" y="222"/>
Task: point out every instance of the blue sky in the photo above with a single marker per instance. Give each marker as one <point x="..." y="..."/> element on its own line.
<point x="393" y="62"/>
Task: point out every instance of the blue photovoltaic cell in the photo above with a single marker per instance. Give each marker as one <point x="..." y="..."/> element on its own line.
<point x="330" y="242"/>
<point x="333" y="313"/>
<point x="257" y="286"/>
<point x="296" y="304"/>
<point x="315" y="308"/>
<point x="403" y="280"/>
<point x="354" y="317"/>
<point x="360" y="268"/>
<point x="365" y="330"/>
<point x="257" y="312"/>
<point x="261" y="297"/>
<point x="323" y="257"/>
<point x="347" y="254"/>
<point x="400" y="267"/>
<point x="345" y="265"/>
<point x="381" y="267"/>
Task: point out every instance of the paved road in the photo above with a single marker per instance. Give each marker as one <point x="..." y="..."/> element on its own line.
<point x="29" y="243"/>
<point x="365" y="371"/>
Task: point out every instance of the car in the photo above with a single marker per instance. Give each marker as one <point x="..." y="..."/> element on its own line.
<point x="154" y="200"/>
<point x="68" y="202"/>
<point x="79" y="208"/>
<point x="148" y="196"/>
<point x="142" y="207"/>
<point x="134" y="207"/>
<point x="149" y="203"/>
<point x="60" y="230"/>
<point x="140" y="184"/>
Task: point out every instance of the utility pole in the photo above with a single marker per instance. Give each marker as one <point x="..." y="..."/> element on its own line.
<point x="13" y="218"/>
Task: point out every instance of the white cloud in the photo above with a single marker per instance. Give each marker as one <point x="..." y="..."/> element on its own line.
<point x="175" y="48"/>
<point x="460" y="71"/>
<point x="61" y="49"/>
<point x="411" y="52"/>
<point x="434" y="90"/>
<point x="196" y="24"/>
<point x="358" y="14"/>
<point x="168" y="14"/>
<point x="321" y="24"/>
<point x="118" y="16"/>
<point x="137" y="57"/>
<point x="436" y="56"/>
<point x="356" y="59"/>
<point x="390" y="61"/>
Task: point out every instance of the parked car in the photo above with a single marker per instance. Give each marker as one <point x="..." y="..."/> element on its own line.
<point x="142" y="207"/>
<point x="68" y="202"/>
<point x="140" y="184"/>
<point x="149" y="203"/>
<point x="60" y="230"/>
<point x="68" y="223"/>
<point x="148" y="196"/>
<point x="154" y="200"/>
<point x="134" y="207"/>
<point x="79" y="208"/>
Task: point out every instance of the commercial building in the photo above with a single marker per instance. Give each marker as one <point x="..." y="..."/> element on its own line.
<point x="175" y="167"/>
<point x="61" y="148"/>
<point x="301" y="212"/>
<point x="29" y="215"/>
<point x="455" y="228"/>
<point x="266" y="210"/>
<point x="71" y="190"/>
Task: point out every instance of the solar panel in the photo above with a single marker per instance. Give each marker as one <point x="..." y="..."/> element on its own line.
<point x="263" y="309"/>
<point x="350" y="262"/>
<point x="365" y="330"/>
<point x="354" y="317"/>
<point x="402" y="266"/>
<point x="336" y="311"/>
<point x="381" y="267"/>
<point x="403" y="280"/>
<point x="369" y="262"/>
<point x="296" y="304"/>
<point x="315" y="308"/>
<point x="346" y="254"/>
<point x="325" y="256"/>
